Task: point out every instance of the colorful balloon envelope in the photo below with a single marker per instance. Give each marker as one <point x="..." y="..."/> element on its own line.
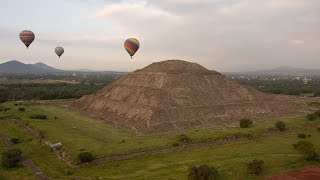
<point x="27" y="37"/>
<point x="59" y="51"/>
<point x="131" y="45"/>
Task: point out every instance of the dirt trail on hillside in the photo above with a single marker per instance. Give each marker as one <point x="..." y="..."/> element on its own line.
<point x="31" y="167"/>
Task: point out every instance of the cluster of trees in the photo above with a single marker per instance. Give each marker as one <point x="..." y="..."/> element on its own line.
<point x="87" y="84"/>
<point x="283" y="86"/>
<point x="45" y="91"/>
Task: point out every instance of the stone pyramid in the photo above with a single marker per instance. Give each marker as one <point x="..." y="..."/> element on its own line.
<point x="174" y="95"/>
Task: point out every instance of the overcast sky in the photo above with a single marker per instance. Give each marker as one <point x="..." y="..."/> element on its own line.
<point x="224" y="35"/>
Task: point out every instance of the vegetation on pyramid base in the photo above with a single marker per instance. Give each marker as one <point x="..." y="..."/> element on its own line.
<point x="245" y="123"/>
<point x="280" y="125"/>
<point x="311" y="117"/>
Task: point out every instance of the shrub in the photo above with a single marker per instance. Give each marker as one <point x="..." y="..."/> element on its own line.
<point x="55" y="117"/>
<point x="175" y="144"/>
<point x="16" y="104"/>
<point x="203" y="172"/>
<point x="311" y="155"/>
<point x="317" y="113"/>
<point x="303" y="145"/>
<point x="318" y="129"/>
<point x="302" y="136"/>
<point x="38" y="116"/>
<point x="255" y="167"/>
<point x="280" y="125"/>
<point x="308" y="149"/>
<point x="184" y="139"/>
<point x="22" y="109"/>
<point x="245" y="123"/>
<point x="11" y="158"/>
<point x="15" y="140"/>
<point x="311" y="117"/>
<point x="85" y="157"/>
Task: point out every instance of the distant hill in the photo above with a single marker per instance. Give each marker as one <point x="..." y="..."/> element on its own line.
<point x="282" y="70"/>
<point x="16" y="67"/>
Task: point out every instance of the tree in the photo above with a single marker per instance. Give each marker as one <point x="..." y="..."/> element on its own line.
<point x="203" y="172"/>
<point x="11" y="158"/>
<point x="311" y="117"/>
<point x="280" y="125"/>
<point x="245" y="123"/>
<point x="86" y="157"/>
<point x="255" y="167"/>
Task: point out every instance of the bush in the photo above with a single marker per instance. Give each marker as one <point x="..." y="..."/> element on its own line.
<point x="308" y="149"/>
<point x="318" y="129"/>
<point x="311" y="117"/>
<point x="15" y="140"/>
<point x="38" y="116"/>
<point x="203" y="172"/>
<point x="184" y="139"/>
<point x="255" y="167"/>
<point x="302" y="136"/>
<point x="317" y="113"/>
<point x="11" y="158"/>
<point x="280" y="125"/>
<point x="22" y="109"/>
<point x="245" y="123"/>
<point x="175" y="144"/>
<point x="85" y="157"/>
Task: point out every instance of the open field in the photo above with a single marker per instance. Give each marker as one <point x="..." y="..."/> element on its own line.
<point x="79" y="133"/>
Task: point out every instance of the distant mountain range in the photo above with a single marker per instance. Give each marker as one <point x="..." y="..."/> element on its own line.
<point x="16" y="67"/>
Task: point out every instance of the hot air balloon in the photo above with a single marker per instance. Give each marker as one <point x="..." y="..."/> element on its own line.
<point x="27" y="37"/>
<point x="59" y="51"/>
<point x="131" y="45"/>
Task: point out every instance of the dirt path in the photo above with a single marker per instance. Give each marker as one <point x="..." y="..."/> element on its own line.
<point x="25" y="161"/>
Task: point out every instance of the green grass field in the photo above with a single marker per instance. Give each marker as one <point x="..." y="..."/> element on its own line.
<point x="77" y="133"/>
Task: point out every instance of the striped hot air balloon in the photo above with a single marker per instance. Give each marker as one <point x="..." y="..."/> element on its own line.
<point x="59" y="51"/>
<point x="131" y="45"/>
<point x="27" y="37"/>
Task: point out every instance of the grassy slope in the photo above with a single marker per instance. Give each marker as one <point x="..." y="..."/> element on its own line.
<point x="77" y="132"/>
<point x="230" y="159"/>
<point x="99" y="137"/>
<point x="18" y="173"/>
